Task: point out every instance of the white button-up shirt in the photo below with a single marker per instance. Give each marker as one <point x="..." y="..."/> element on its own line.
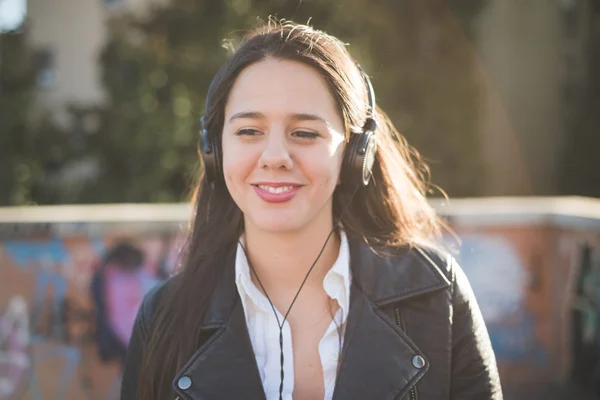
<point x="264" y="329"/>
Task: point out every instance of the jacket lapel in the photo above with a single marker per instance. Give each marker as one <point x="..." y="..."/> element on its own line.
<point x="375" y="348"/>
<point x="224" y="367"/>
<point x="377" y="359"/>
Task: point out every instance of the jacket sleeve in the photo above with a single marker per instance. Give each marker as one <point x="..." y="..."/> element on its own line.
<point x="474" y="372"/>
<point x="133" y="359"/>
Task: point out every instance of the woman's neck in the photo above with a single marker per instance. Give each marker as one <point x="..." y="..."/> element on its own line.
<point x="283" y="260"/>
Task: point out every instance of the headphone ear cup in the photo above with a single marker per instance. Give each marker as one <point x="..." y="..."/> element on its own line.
<point x="368" y="158"/>
<point x="358" y="159"/>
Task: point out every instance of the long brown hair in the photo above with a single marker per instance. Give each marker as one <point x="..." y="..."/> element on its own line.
<point x="390" y="213"/>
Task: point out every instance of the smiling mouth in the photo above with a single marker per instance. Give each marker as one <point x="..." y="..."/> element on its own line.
<point x="276" y="190"/>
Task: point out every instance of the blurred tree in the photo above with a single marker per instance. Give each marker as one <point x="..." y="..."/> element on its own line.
<point x="142" y="142"/>
<point x="31" y="146"/>
<point x="581" y="171"/>
<point x="424" y="75"/>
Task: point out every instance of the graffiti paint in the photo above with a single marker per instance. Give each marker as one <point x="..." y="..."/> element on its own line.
<point x="500" y="280"/>
<point x="68" y="302"/>
<point x="14" y="342"/>
<point x="50" y="344"/>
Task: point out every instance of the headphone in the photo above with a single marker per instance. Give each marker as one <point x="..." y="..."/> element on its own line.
<point x="359" y="154"/>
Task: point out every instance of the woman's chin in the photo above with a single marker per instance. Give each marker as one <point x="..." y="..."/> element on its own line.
<point x="267" y="222"/>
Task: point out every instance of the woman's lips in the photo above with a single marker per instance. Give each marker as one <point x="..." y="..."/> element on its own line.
<point x="276" y="193"/>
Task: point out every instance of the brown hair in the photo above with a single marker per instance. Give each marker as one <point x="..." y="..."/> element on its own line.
<point x="390" y="213"/>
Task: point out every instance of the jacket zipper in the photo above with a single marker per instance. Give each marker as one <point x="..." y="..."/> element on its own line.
<point x="412" y="394"/>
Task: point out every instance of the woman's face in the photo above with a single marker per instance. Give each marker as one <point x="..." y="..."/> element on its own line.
<point x="283" y="143"/>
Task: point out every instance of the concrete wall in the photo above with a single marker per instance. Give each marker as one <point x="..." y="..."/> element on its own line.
<point x="522" y="256"/>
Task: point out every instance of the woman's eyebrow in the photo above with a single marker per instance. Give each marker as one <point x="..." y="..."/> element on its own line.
<point x="295" y="116"/>
<point x="248" y="115"/>
<point x="308" y="117"/>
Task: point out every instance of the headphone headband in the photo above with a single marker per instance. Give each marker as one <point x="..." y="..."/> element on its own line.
<point x="370" y="123"/>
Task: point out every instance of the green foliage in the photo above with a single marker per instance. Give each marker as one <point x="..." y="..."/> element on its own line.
<point x="581" y="173"/>
<point x="157" y="68"/>
<point x="30" y="144"/>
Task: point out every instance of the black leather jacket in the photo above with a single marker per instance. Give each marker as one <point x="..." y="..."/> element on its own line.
<point x="414" y="331"/>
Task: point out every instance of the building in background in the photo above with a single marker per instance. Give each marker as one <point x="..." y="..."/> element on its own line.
<point x="12" y="14"/>
<point x="67" y="36"/>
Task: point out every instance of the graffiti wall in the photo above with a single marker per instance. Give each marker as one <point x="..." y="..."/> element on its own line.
<point x="69" y="293"/>
<point x="502" y="266"/>
<point x="67" y="306"/>
<point x="502" y="279"/>
<point x="525" y="279"/>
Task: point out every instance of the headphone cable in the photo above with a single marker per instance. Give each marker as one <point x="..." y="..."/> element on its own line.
<point x="281" y="324"/>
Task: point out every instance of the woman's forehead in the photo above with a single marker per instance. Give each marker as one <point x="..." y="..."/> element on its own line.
<point x="281" y="87"/>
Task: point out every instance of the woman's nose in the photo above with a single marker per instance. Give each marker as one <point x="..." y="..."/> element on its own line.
<point x="276" y="153"/>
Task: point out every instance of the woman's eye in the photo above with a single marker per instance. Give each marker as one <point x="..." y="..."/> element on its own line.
<point x="306" y="134"/>
<point x="247" y="132"/>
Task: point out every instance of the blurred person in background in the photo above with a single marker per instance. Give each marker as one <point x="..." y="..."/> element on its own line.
<point x="313" y="269"/>
<point x="118" y="287"/>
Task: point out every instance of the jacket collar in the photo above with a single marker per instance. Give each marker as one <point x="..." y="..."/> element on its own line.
<point x="225" y="367"/>
<point x="387" y="279"/>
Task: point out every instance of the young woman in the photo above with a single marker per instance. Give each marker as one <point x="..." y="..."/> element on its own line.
<point x="312" y="270"/>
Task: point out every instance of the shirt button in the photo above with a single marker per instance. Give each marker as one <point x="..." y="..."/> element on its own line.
<point x="184" y="382"/>
<point x="418" y="362"/>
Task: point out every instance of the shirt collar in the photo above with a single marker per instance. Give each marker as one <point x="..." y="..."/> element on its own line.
<point x="243" y="280"/>
<point x="336" y="282"/>
<point x="338" y="279"/>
